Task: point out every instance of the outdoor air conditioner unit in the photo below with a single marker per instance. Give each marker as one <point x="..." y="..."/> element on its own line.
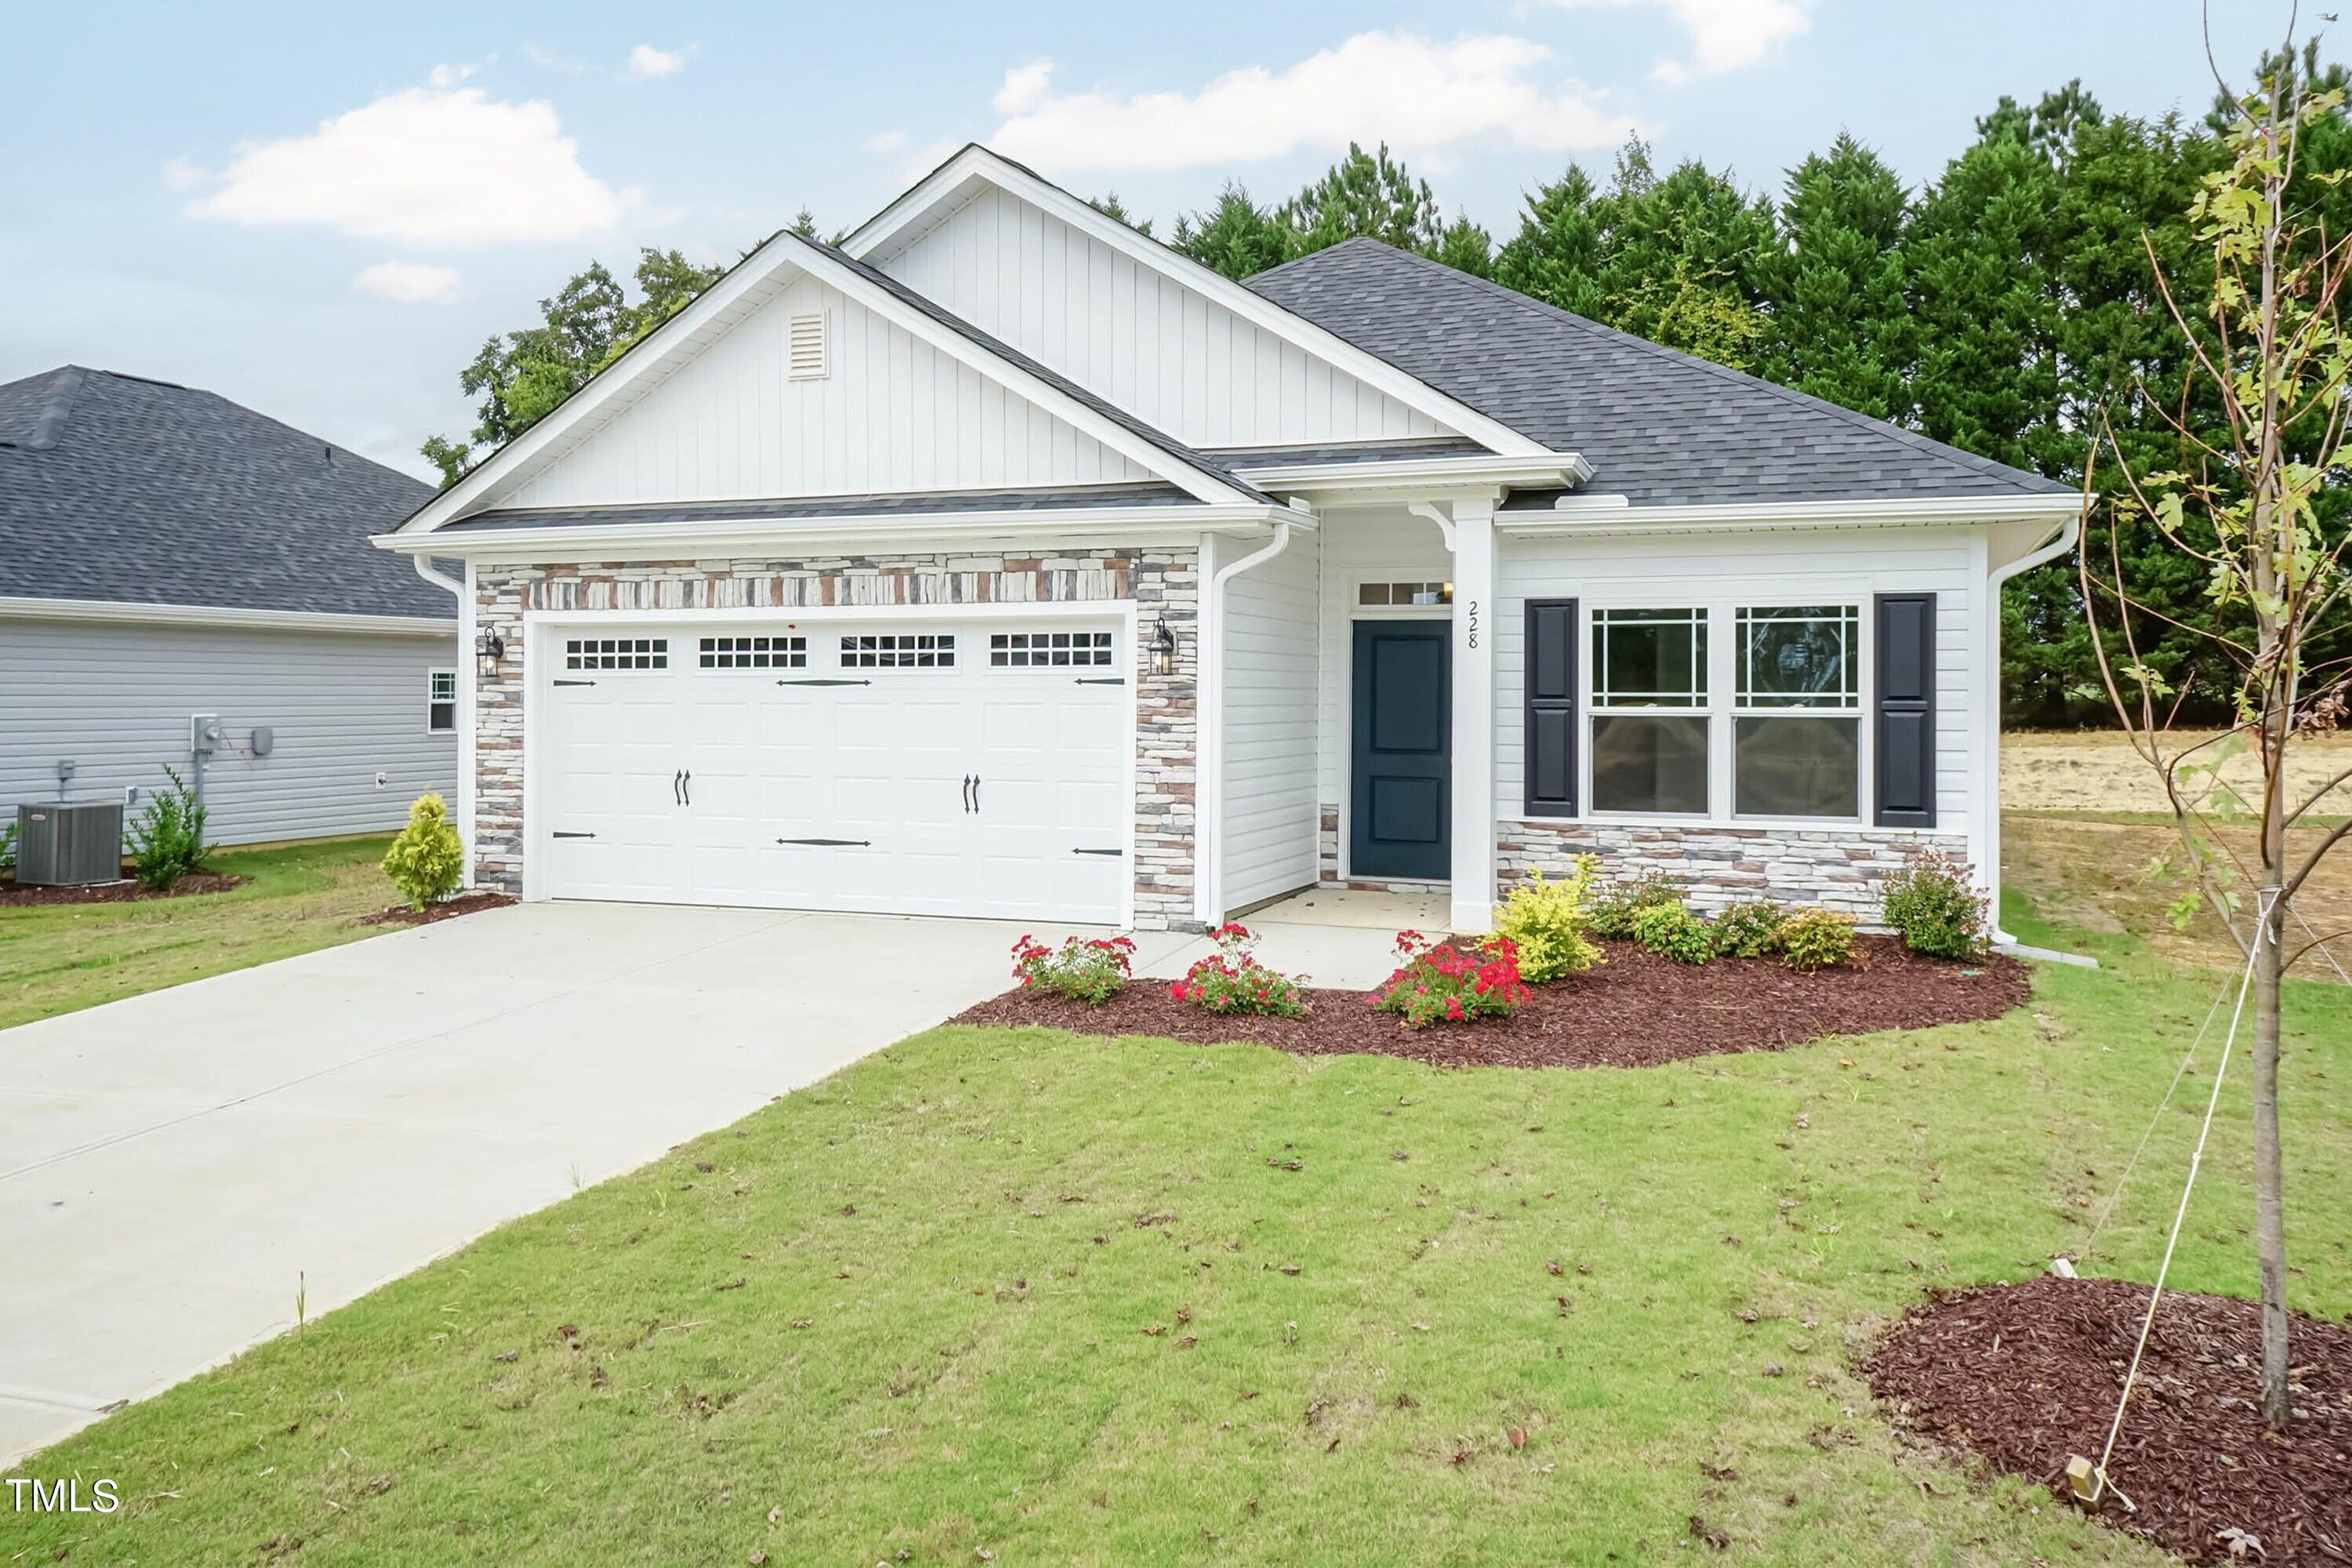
<point x="69" y="844"/>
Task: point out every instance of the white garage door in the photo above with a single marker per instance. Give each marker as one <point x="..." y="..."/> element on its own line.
<point x="965" y="768"/>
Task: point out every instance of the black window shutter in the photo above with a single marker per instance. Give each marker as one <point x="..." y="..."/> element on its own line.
<point x="1905" y="717"/>
<point x="1551" y="715"/>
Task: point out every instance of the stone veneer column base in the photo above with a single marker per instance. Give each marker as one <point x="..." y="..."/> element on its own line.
<point x="1830" y="868"/>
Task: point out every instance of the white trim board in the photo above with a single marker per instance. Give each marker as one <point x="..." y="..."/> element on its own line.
<point x="937" y="193"/>
<point x="225" y="615"/>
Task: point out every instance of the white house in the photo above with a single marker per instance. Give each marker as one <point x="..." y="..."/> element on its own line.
<point x="1003" y="561"/>
<point x="187" y="582"/>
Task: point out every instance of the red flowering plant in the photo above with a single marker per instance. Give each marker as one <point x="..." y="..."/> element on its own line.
<point x="1435" y="983"/>
<point x="1232" y="980"/>
<point x="1091" y="970"/>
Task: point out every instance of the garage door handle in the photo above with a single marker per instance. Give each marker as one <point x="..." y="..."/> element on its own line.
<point x="686" y="785"/>
<point x="677" y="787"/>
<point x="1097" y="851"/>
<point x="975" y="794"/>
<point x="834" y="843"/>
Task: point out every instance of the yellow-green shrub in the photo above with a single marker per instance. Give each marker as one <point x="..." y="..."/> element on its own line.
<point x="428" y="860"/>
<point x="1547" y="922"/>
<point x="1817" y="939"/>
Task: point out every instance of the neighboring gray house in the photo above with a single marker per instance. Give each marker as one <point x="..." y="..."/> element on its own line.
<point x="168" y="557"/>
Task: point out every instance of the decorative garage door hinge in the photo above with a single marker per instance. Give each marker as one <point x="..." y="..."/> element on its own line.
<point x="1097" y="851"/>
<point x="830" y="843"/>
<point x="1102" y="681"/>
<point x="575" y="683"/>
<point x="823" y="681"/>
<point x="571" y="836"/>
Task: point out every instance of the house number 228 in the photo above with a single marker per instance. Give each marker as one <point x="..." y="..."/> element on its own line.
<point x="1470" y="623"/>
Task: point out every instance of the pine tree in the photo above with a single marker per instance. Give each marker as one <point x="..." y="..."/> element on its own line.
<point x="1833" y="279"/>
<point x="1467" y="247"/>
<point x="1557" y="256"/>
<point x="1680" y="258"/>
<point x="1366" y="193"/>
<point x="1236" y="236"/>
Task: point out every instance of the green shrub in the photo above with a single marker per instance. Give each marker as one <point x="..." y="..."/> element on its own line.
<point x="1671" y="931"/>
<point x="1232" y="980"/>
<point x="1750" y="930"/>
<point x="1817" y="939"/>
<point x="167" y="841"/>
<point x="1546" y="922"/>
<point x="1612" y="914"/>
<point x="427" y="860"/>
<point x="1091" y="971"/>
<point x="1936" y="906"/>
<point x="7" y="844"/>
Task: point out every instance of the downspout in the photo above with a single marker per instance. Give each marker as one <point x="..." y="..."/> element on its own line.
<point x="1209" y="830"/>
<point x="2068" y="532"/>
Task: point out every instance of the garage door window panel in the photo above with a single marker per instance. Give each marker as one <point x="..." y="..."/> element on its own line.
<point x="898" y="650"/>
<point x="1042" y="650"/>
<point x="616" y="653"/>
<point x="754" y="653"/>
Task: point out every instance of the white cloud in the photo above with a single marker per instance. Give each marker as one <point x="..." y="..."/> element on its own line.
<point x="423" y="165"/>
<point x="1419" y="96"/>
<point x="1725" y="35"/>
<point x="647" y="60"/>
<point x="446" y="76"/>
<point x="410" y="282"/>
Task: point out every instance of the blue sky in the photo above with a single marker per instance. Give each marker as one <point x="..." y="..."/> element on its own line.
<point x="321" y="211"/>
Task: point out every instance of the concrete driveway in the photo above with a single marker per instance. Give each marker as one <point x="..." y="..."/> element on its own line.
<point x="174" y="1166"/>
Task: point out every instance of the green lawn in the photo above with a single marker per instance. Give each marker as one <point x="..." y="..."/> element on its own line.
<point x="64" y="957"/>
<point x="1026" y="1297"/>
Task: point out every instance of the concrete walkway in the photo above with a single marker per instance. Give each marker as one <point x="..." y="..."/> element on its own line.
<point x="174" y="1166"/>
<point x="1330" y="935"/>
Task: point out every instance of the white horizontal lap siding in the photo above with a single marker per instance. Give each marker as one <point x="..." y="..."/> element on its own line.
<point x="1136" y="337"/>
<point x="115" y="700"/>
<point x="1841" y="566"/>
<point x="891" y="414"/>
<point x="1268" y="807"/>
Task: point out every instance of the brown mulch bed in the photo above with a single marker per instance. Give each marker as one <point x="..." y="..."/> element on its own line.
<point x="14" y="895"/>
<point x="2028" y="1375"/>
<point x="447" y="910"/>
<point x="1636" y="1010"/>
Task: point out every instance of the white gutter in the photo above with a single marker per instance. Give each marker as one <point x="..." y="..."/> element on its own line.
<point x="738" y="535"/>
<point x="1606" y="514"/>
<point x="224" y="615"/>
<point x="423" y="564"/>
<point x="1209" y="836"/>
<point x="1989" y="785"/>
<point x="1483" y="470"/>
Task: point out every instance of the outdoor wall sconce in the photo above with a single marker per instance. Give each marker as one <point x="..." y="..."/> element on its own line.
<point x="489" y="647"/>
<point x="1163" y="648"/>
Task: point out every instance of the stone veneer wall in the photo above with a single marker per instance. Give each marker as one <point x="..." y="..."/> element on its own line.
<point x="1162" y="582"/>
<point x="1830" y="868"/>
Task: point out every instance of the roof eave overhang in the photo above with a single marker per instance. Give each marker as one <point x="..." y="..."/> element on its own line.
<point x="977" y="163"/>
<point x="121" y="611"/>
<point x="1420" y="479"/>
<point x="1596" y="516"/>
<point x="784" y="536"/>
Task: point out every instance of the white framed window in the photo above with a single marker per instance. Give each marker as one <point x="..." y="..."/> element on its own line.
<point x="1413" y="595"/>
<point x="1796" y="717"/>
<point x="1038" y="650"/>
<point x="753" y="653"/>
<point x="1650" y="726"/>
<point x="441" y="703"/>
<point x="898" y="650"/>
<point x="616" y="653"/>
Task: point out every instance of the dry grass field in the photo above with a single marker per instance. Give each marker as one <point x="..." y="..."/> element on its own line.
<point x="2086" y="826"/>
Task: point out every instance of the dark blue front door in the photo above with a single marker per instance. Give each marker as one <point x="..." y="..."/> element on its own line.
<point x="1400" y="806"/>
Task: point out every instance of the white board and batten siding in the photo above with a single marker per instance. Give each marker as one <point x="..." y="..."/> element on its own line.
<point x="1268" y="806"/>
<point x="890" y="415"/>
<point x="1135" y="336"/>
<point x="1831" y="566"/>
<point x="115" y="700"/>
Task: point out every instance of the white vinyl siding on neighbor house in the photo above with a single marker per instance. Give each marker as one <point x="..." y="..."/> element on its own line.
<point x="1268" y="805"/>
<point x="1727" y="573"/>
<point x="116" y="699"/>
<point x="1130" y="334"/>
<point x="889" y="415"/>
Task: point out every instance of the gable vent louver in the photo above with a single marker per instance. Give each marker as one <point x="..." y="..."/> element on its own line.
<point x="804" y="347"/>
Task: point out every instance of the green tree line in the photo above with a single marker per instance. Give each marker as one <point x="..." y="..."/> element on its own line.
<point x="2006" y="307"/>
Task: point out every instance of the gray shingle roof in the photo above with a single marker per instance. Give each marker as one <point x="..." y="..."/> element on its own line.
<point x="924" y="503"/>
<point x="135" y="491"/>
<point x="1242" y="458"/>
<point x="1659" y="427"/>
<point x="1006" y="352"/>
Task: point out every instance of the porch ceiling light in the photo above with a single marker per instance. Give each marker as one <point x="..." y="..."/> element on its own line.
<point x="1163" y="648"/>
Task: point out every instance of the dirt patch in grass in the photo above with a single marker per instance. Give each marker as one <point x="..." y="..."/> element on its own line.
<point x="2027" y="1376"/>
<point x="18" y="895"/>
<point x="2096" y="770"/>
<point x="1636" y="1010"/>
<point x="447" y="910"/>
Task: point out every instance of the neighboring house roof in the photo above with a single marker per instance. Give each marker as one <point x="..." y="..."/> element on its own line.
<point x="1659" y="427"/>
<point x="1243" y="458"/>
<point x="918" y="504"/>
<point x="119" y="489"/>
<point x="1060" y="382"/>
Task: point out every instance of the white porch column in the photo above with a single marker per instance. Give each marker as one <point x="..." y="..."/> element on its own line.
<point x="1474" y="716"/>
